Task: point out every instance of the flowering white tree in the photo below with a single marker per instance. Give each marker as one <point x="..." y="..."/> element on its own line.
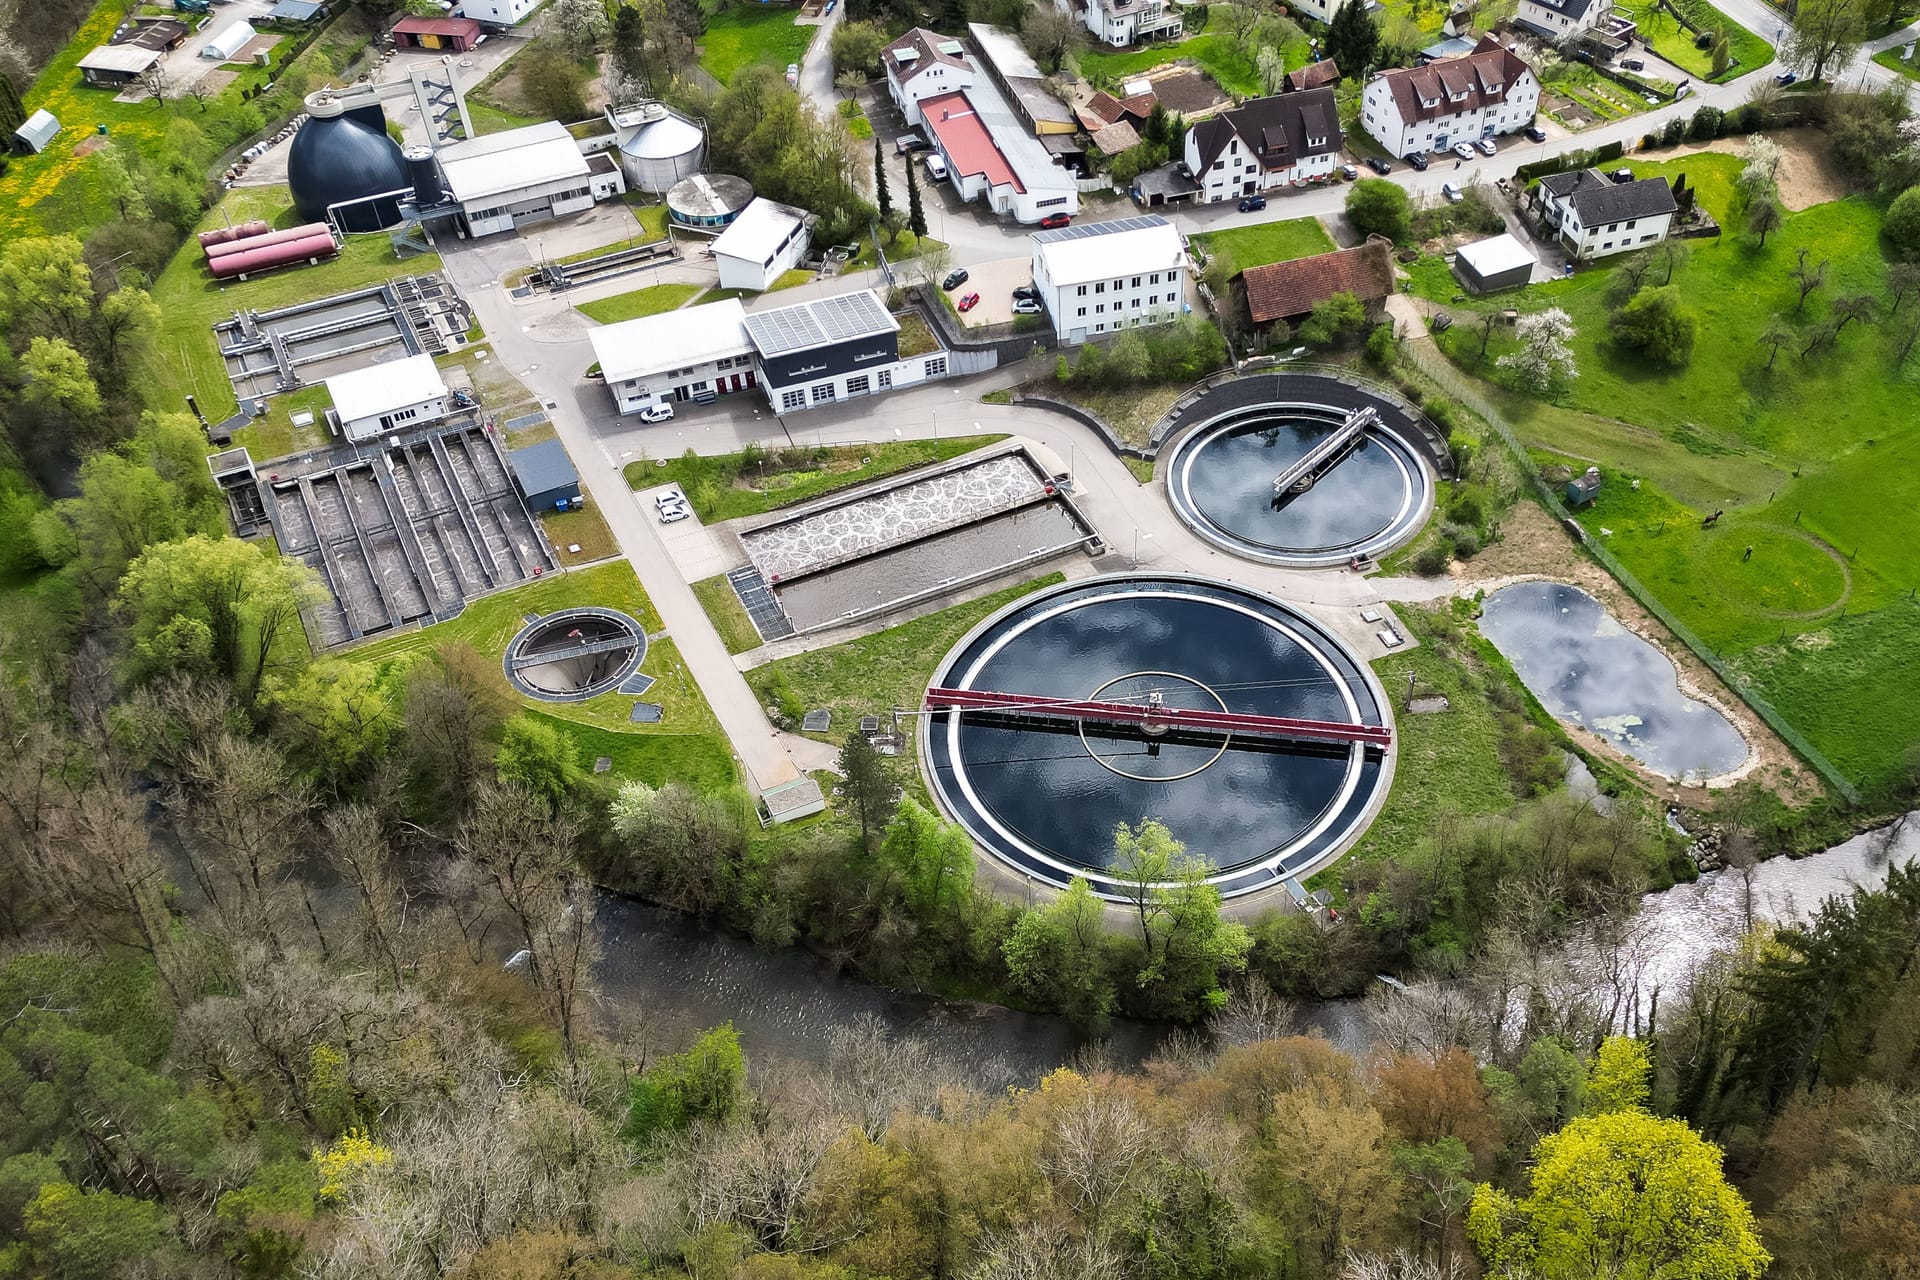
<point x="1545" y="354"/>
<point x="579" y="24"/>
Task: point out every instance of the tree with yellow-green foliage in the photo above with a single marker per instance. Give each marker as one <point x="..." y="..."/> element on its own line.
<point x="1621" y="1196"/>
<point x="1618" y="1079"/>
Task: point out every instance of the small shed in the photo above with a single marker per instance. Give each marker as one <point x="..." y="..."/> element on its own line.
<point x="1583" y="489"/>
<point x="228" y="42"/>
<point x="790" y="800"/>
<point x="111" y="66"/>
<point x="32" y="137"/>
<point x="297" y="11"/>
<point x="546" y="476"/>
<point x="454" y="34"/>
<point x="1487" y="266"/>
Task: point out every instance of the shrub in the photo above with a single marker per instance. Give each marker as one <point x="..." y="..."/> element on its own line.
<point x="1333" y="320"/>
<point x="1433" y="561"/>
<point x="1466" y="542"/>
<point x="1902" y="227"/>
<point x="1382" y="350"/>
<point x="1378" y="207"/>
<point x="1675" y="133"/>
<point x="1654" y="324"/>
<point x="1706" y="124"/>
<point x="1468" y="511"/>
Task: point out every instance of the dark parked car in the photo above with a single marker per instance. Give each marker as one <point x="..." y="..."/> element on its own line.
<point x="1633" y="64"/>
<point x="1253" y="204"/>
<point x="1379" y="166"/>
<point x="955" y="278"/>
<point x="1535" y="133"/>
<point x="1418" y="161"/>
<point x="1025" y="292"/>
<point x="1053" y="220"/>
<point x="1785" y="78"/>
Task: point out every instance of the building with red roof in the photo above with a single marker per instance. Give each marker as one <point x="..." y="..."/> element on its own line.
<point x="1289" y="290"/>
<point x="456" y="35"/>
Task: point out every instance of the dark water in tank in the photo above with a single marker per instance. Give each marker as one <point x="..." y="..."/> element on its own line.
<point x="1230" y="479"/>
<point x="1588" y="669"/>
<point x="1047" y="786"/>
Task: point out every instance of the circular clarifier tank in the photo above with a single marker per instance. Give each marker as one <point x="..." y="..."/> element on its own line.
<point x="1370" y="495"/>
<point x="575" y="654"/>
<point x="1261" y="742"/>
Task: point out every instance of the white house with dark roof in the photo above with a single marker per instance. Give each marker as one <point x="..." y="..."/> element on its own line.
<point x="1561" y="20"/>
<point x="1489" y="92"/>
<point x="1124" y="22"/>
<point x="1595" y="216"/>
<point x="1265" y="144"/>
<point x="924" y="64"/>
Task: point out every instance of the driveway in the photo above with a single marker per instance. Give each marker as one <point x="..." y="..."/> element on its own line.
<point x="995" y="282"/>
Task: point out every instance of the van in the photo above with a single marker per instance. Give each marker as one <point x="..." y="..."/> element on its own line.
<point x="936" y="168"/>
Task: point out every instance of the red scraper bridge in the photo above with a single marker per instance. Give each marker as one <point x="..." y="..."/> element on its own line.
<point x="1157" y="717"/>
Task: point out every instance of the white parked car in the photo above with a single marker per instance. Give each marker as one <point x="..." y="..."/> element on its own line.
<point x="669" y="498"/>
<point x="657" y="413"/>
<point x="793" y="73"/>
<point x="1464" y="150"/>
<point x="679" y="511"/>
<point x="1487" y="148"/>
<point x="1026" y="306"/>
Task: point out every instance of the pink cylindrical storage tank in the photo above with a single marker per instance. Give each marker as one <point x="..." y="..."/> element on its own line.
<point x="274" y="255"/>
<point x="272" y="237"/>
<point x="226" y="235"/>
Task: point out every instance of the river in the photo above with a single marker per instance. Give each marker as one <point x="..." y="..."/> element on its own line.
<point x="681" y="977"/>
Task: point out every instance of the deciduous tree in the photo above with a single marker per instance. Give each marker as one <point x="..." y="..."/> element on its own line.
<point x="1825" y="34"/>
<point x="1545" y="354"/>
<point x="1376" y="207"/>
<point x="1764" y="217"/>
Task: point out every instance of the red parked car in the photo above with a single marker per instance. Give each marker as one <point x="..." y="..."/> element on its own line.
<point x="969" y="302"/>
<point x="1053" y="220"/>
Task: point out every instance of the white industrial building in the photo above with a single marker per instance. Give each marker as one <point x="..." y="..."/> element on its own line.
<point x="228" y="41"/>
<point x="839" y="348"/>
<point x="923" y="64"/>
<point x="767" y="240"/>
<point x="657" y="146"/>
<point x="382" y="398"/>
<point x="676" y="355"/>
<point x="1102" y="277"/>
<point x="500" y="13"/>
<point x="1487" y="93"/>
<point x="505" y="180"/>
<point x="1285" y="140"/>
<point x="1124" y="22"/>
<point x="1595" y="217"/>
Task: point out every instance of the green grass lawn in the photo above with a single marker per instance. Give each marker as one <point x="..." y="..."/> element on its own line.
<point x="749" y="34"/>
<point x="788" y="279"/>
<point x="1673" y="42"/>
<point x="710" y="486"/>
<point x="186" y="358"/>
<point x="1892" y="61"/>
<point x="1214" y="50"/>
<point x="907" y="246"/>
<point x="729" y="617"/>
<point x="1808" y="460"/>
<point x="58" y="190"/>
<point x="1255" y="246"/>
<point x="650" y="301"/>
<point x="870" y="675"/>
<point x="585" y="528"/>
<point x="687" y="743"/>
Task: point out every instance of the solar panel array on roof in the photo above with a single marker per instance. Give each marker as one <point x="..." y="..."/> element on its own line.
<point x="1083" y="230"/>
<point x="818" y="323"/>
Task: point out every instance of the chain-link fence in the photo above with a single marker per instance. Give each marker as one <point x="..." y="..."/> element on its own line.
<point x="1436" y="366"/>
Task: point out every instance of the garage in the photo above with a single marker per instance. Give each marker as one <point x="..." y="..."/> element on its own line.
<point x="1488" y="266"/>
<point x="453" y="35"/>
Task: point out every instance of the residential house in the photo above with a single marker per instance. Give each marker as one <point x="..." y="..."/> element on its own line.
<point x="1594" y="216"/>
<point x="1290" y="290"/>
<point x="1285" y="140"/>
<point x="496" y="13"/>
<point x="1561" y="20"/>
<point x="1489" y="92"/>
<point x="1323" y="74"/>
<point x="1124" y="22"/>
<point x="924" y="64"/>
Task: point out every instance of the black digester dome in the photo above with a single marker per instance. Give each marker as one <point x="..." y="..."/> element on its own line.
<point x="347" y="157"/>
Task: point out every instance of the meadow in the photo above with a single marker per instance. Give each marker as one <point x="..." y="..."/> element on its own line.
<point x="1815" y="463"/>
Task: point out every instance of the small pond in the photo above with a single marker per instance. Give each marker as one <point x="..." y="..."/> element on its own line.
<point x="1587" y="669"/>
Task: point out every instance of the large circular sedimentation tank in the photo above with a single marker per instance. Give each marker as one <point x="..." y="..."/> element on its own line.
<point x="342" y="157"/>
<point x="574" y="654"/>
<point x="1044" y="795"/>
<point x="1374" y="497"/>
<point x="708" y="201"/>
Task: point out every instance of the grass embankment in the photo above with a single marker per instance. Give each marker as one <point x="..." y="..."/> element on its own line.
<point x="1214" y="50"/>
<point x="748" y="34"/>
<point x="875" y="673"/>
<point x="729" y="617"/>
<point x="730" y="485"/>
<point x="650" y="301"/>
<point x="1673" y="42"/>
<point x="186" y="357"/>
<point x="1256" y="246"/>
<point x="586" y="529"/>
<point x="1892" y="61"/>
<point x="60" y="191"/>
<point x="1814" y="462"/>
<point x="685" y="745"/>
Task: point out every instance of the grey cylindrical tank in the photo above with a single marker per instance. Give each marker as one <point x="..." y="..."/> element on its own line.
<point x="424" y="172"/>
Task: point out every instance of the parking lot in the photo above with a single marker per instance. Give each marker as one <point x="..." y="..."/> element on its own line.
<point x="995" y="282"/>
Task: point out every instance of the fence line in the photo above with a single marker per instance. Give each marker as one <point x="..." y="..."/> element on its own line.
<point x="1436" y="366"/>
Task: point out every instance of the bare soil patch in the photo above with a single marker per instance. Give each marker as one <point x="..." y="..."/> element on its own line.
<point x="1807" y="175"/>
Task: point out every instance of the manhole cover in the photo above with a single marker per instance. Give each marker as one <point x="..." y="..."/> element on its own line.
<point x="816" y="721"/>
<point x="603" y="764"/>
<point x="645" y="713"/>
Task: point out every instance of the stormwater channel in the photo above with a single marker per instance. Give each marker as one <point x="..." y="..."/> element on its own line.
<point x="1589" y="670"/>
